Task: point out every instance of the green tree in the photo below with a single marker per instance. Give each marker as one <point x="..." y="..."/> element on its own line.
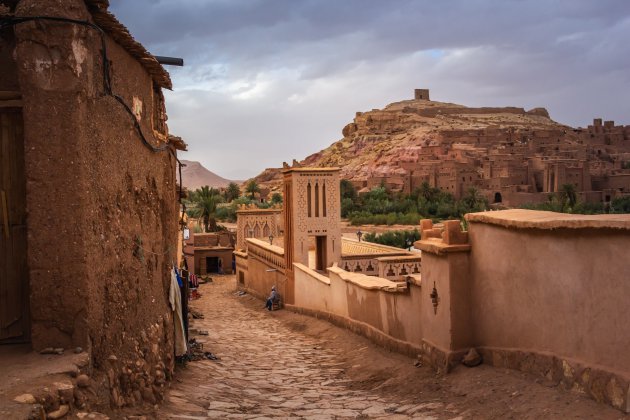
<point x="205" y="202"/>
<point x="232" y="192"/>
<point x="347" y="190"/>
<point x="473" y="201"/>
<point x="276" y="198"/>
<point x="568" y="196"/>
<point x="397" y="238"/>
<point x="252" y="188"/>
<point x="620" y="205"/>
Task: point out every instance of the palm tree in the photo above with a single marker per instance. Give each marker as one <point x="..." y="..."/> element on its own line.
<point x="568" y="195"/>
<point x="252" y="188"/>
<point x="232" y="192"/>
<point x="474" y="201"/>
<point x="205" y="200"/>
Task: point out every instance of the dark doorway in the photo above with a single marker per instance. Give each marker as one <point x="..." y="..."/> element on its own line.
<point x="497" y="197"/>
<point x="320" y="253"/>
<point x="212" y="264"/>
<point x="14" y="314"/>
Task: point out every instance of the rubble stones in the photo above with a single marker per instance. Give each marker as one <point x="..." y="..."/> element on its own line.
<point x="83" y="381"/>
<point x="472" y="358"/>
<point x="65" y="391"/>
<point x="25" y="399"/>
<point x="59" y="413"/>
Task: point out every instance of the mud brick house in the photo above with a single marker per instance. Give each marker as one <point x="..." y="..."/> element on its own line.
<point x="208" y="253"/>
<point x="89" y="205"/>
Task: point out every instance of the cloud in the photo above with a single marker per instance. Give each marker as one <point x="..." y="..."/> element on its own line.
<point x="268" y="81"/>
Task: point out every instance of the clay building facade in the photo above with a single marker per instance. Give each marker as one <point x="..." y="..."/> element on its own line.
<point x="210" y="253"/>
<point x="92" y="206"/>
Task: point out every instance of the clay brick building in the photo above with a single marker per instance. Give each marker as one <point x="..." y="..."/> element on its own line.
<point x="208" y="253"/>
<point x="88" y="187"/>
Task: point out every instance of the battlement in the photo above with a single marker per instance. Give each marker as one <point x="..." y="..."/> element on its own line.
<point x="422" y="94"/>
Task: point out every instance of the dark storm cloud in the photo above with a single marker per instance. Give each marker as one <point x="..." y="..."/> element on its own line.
<point x="282" y="77"/>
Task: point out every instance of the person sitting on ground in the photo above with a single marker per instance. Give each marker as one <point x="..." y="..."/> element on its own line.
<point x="273" y="298"/>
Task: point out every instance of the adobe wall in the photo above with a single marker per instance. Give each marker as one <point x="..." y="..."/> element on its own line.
<point x="103" y="286"/>
<point x="572" y="281"/>
<point x="549" y="296"/>
<point x="376" y="308"/>
<point x="200" y="262"/>
<point x="258" y="281"/>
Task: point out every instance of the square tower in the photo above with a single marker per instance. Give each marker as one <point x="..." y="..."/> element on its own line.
<point x="421" y="94"/>
<point x="312" y="215"/>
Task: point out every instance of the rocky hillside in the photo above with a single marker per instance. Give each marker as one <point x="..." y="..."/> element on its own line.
<point x="377" y="142"/>
<point x="195" y="176"/>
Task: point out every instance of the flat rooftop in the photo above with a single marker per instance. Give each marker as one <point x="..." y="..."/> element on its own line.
<point x="534" y="219"/>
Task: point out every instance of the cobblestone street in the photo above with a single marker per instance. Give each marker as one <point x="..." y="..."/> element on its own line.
<point x="267" y="370"/>
<point x="270" y="367"/>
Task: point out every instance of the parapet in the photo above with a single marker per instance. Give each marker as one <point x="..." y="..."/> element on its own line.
<point x="427" y="230"/>
<point x="436" y="241"/>
<point x="546" y="220"/>
<point x="421" y="94"/>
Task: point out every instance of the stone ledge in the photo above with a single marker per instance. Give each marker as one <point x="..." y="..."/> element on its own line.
<point x="368" y="282"/>
<point x="547" y="220"/>
<point x="314" y="274"/>
<point x="438" y="247"/>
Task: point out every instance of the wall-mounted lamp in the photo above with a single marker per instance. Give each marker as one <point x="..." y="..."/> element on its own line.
<point x="186" y="233"/>
<point x="435" y="298"/>
<point x="270" y="239"/>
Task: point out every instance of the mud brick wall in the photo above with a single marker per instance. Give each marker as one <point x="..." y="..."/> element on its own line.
<point x="102" y="208"/>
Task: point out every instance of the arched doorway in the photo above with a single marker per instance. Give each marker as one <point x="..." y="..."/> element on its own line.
<point x="497" y="197"/>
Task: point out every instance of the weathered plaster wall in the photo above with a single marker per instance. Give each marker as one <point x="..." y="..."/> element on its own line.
<point x="102" y="208"/>
<point x="562" y="291"/>
<point x="258" y="280"/>
<point x="377" y="308"/>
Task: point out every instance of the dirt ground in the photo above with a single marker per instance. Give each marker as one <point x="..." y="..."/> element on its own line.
<point x="246" y="337"/>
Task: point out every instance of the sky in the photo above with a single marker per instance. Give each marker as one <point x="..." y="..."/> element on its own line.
<point x="267" y="81"/>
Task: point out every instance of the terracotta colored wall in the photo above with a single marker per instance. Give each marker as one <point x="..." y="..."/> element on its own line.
<point x="92" y="190"/>
<point x="258" y="280"/>
<point x="563" y="291"/>
<point x="395" y="314"/>
<point x="225" y="255"/>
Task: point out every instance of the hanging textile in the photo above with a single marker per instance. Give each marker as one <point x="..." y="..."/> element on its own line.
<point x="175" y="300"/>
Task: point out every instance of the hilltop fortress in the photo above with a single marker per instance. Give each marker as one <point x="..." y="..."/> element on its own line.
<point x="511" y="155"/>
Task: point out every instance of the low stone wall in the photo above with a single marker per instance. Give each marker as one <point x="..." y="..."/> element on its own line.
<point x="374" y="307"/>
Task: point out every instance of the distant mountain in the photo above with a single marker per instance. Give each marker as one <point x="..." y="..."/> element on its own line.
<point x="196" y="176"/>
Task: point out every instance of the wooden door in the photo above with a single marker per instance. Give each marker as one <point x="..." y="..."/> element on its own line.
<point x="14" y="314"/>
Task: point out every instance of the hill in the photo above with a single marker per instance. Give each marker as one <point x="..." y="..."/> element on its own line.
<point x="499" y="151"/>
<point x="195" y="175"/>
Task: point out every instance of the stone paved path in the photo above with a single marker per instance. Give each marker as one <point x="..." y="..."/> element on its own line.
<point x="268" y="370"/>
